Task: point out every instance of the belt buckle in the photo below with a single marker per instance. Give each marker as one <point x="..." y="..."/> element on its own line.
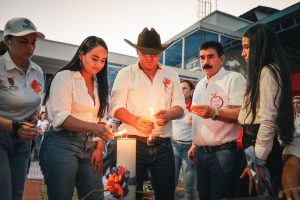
<point x="207" y="149"/>
<point x="152" y="141"/>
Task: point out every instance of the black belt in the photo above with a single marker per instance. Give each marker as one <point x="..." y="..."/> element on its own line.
<point x="228" y="145"/>
<point x="155" y="141"/>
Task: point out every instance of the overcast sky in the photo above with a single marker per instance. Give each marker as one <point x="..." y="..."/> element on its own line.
<point x="70" y="21"/>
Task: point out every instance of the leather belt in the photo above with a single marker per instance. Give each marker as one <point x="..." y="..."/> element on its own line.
<point x="228" y="145"/>
<point x="154" y="141"/>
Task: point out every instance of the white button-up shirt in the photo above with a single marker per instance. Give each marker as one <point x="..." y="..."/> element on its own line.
<point x="69" y="96"/>
<point x="134" y="91"/>
<point x="266" y="113"/>
<point x="221" y="90"/>
<point x="20" y="93"/>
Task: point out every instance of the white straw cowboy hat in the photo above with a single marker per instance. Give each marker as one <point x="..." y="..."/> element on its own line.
<point x="149" y="42"/>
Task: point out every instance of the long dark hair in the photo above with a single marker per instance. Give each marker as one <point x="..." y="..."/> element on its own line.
<point x="266" y="51"/>
<point x="75" y="65"/>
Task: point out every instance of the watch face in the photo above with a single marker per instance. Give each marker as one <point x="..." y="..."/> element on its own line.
<point x="216" y="101"/>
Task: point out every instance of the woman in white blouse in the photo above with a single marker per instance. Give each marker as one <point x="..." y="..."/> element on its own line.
<point x="267" y="111"/>
<point x="76" y="100"/>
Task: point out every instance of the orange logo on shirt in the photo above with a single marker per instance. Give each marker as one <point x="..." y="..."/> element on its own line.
<point x="36" y="86"/>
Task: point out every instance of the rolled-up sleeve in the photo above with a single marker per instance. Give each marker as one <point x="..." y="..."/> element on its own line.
<point x="267" y="114"/>
<point x="237" y="90"/>
<point x="60" y="98"/>
<point x="119" y="93"/>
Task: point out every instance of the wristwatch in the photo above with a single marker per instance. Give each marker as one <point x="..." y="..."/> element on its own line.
<point x="16" y="125"/>
<point x="216" y="115"/>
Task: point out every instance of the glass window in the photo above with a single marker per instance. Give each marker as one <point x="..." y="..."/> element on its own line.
<point x="173" y="55"/>
<point x="112" y="72"/>
<point x="192" y="46"/>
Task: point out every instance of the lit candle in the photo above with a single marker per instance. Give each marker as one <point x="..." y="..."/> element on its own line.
<point x="116" y="134"/>
<point x="152" y="114"/>
<point x="126" y="156"/>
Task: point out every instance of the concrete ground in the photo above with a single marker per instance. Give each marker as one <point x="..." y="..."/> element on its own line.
<point x="35" y="188"/>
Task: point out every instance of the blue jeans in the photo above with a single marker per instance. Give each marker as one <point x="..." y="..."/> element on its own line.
<point x="217" y="173"/>
<point x="14" y="156"/>
<point x="189" y="169"/>
<point x="65" y="160"/>
<point x="37" y="146"/>
<point x="110" y="158"/>
<point x="159" y="160"/>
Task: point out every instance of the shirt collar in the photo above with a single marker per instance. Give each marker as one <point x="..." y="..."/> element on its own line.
<point x="137" y="66"/>
<point x="10" y="64"/>
<point x="77" y="75"/>
<point x="216" y="76"/>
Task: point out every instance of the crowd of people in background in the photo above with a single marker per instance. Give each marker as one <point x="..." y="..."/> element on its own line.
<point x="230" y="137"/>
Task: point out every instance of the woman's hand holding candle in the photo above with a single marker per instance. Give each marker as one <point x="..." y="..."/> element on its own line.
<point x="102" y="130"/>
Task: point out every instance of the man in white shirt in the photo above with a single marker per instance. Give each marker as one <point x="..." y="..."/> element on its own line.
<point x="216" y="103"/>
<point x="146" y="96"/>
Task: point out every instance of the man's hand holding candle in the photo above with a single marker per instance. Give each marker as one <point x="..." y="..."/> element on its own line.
<point x="204" y="111"/>
<point x="162" y="117"/>
<point x="144" y="125"/>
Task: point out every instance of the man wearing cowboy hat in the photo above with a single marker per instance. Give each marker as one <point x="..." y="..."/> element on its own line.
<point x="146" y="96"/>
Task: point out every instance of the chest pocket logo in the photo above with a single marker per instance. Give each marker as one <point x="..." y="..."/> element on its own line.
<point x="216" y="101"/>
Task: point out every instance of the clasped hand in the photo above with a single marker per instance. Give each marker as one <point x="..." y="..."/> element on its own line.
<point x="28" y="131"/>
<point x="146" y="126"/>
<point x="103" y="131"/>
<point x="204" y="111"/>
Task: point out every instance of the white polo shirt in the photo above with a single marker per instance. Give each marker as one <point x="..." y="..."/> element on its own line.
<point x="20" y="92"/>
<point x="134" y="91"/>
<point x="69" y="96"/>
<point x="223" y="89"/>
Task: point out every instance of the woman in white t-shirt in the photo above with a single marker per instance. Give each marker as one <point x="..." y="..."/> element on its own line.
<point x="76" y="101"/>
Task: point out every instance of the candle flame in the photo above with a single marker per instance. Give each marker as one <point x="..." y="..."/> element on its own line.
<point x="151" y="111"/>
<point x="120" y="133"/>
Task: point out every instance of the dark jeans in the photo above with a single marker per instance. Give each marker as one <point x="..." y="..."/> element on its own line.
<point x="217" y="173"/>
<point x="14" y="156"/>
<point x="110" y="158"/>
<point x="159" y="160"/>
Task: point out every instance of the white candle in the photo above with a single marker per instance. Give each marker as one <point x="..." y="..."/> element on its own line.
<point x="126" y="156"/>
<point x="152" y="114"/>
